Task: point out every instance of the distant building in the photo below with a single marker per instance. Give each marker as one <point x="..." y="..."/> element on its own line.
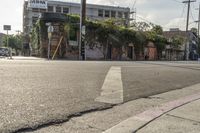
<point x="1" y="39"/>
<point x="33" y="8"/>
<point x="190" y="47"/>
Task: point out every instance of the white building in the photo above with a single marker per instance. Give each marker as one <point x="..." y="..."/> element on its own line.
<point x="33" y="9"/>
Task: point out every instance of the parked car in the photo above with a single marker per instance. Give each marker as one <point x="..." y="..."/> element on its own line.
<point x="4" y="52"/>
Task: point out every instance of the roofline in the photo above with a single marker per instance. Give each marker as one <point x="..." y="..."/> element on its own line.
<point x="89" y="4"/>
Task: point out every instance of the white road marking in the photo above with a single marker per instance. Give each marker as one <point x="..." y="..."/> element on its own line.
<point x="112" y="89"/>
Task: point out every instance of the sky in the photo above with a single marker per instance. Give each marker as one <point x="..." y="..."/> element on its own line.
<point x="167" y="13"/>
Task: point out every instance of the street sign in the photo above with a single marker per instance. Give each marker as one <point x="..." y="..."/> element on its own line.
<point x="49" y="35"/>
<point x="83" y="30"/>
<point x="7" y="27"/>
<point x="41" y="4"/>
<point x="50" y="29"/>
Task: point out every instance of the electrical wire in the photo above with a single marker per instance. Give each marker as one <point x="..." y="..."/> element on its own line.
<point x="177" y="1"/>
<point x="134" y="4"/>
<point x="149" y="22"/>
<point x="191" y="13"/>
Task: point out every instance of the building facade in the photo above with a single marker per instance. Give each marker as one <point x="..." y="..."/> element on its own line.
<point x="189" y="48"/>
<point x="33" y="9"/>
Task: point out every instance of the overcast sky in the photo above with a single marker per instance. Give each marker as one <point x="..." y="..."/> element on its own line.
<point x="167" y="13"/>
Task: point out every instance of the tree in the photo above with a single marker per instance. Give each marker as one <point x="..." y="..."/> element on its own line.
<point x="141" y="26"/>
<point x="14" y="42"/>
<point x="155" y="35"/>
<point x="157" y="29"/>
<point x="177" y="41"/>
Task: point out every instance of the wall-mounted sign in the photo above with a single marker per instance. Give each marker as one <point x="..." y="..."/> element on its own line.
<point x="7" y="27"/>
<point x="83" y="30"/>
<point x="73" y="43"/>
<point x="41" y="4"/>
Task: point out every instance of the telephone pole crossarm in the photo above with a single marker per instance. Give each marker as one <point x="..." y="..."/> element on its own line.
<point x="187" y="1"/>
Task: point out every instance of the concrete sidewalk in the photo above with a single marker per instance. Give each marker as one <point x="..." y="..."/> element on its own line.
<point x="185" y="119"/>
<point x="176" y="116"/>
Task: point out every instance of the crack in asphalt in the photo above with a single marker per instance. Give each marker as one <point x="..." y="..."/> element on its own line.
<point x="61" y="121"/>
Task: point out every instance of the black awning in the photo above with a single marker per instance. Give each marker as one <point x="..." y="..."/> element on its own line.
<point x="54" y="17"/>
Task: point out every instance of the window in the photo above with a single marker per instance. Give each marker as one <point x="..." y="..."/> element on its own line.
<point x="35" y="9"/>
<point x="58" y="9"/>
<point x="100" y="13"/>
<point x="107" y="14"/>
<point x="42" y="10"/>
<point x="113" y="14"/>
<point x="65" y="10"/>
<point x="50" y="8"/>
<point x="126" y="15"/>
<point x="120" y="15"/>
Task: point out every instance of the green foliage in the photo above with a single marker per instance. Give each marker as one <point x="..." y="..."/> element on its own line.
<point x="34" y="37"/>
<point x="155" y="35"/>
<point x="14" y="41"/>
<point x="177" y="41"/>
<point x="141" y="26"/>
<point x="108" y="32"/>
<point x="157" y="29"/>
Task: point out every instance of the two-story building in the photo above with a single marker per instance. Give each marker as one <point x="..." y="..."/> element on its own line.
<point x="189" y="48"/>
<point x="33" y="9"/>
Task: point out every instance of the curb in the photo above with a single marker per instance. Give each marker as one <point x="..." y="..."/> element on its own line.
<point x="137" y="122"/>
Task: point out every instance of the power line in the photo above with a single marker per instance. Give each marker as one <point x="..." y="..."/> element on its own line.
<point x="183" y="11"/>
<point x="191" y="13"/>
<point x="188" y="12"/>
<point x="177" y="1"/>
<point x="181" y="16"/>
<point x="148" y="21"/>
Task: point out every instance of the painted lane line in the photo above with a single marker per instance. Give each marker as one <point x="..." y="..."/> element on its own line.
<point x="112" y="89"/>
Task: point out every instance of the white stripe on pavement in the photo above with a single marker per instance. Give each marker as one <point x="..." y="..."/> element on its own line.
<point x="112" y="89"/>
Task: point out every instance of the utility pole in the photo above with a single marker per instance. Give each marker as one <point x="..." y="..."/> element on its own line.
<point x="82" y="54"/>
<point x="198" y="28"/>
<point x="187" y="27"/>
<point x="198" y="22"/>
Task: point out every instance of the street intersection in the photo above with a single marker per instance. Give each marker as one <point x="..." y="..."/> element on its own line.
<point x="35" y="92"/>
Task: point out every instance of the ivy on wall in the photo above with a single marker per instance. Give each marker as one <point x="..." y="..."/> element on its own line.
<point x="105" y="33"/>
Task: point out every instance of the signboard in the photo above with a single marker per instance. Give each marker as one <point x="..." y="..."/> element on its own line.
<point x="73" y="43"/>
<point x="41" y="4"/>
<point x="50" y="29"/>
<point x="6" y="27"/>
<point x="83" y="30"/>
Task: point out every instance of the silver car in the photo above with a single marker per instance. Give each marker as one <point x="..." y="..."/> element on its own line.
<point x="4" y="52"/>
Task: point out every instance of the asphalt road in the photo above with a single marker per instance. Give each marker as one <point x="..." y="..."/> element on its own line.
<point x="38" y="92"/>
